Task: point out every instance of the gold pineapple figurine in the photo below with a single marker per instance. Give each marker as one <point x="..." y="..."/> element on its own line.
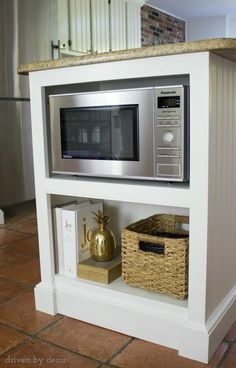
<point x="102" y="243"/>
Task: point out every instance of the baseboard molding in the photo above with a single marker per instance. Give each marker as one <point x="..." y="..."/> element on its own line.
<point x="45" y="299"/>
<point x="221" y="320"/>
<point x="200" y="341"/>
<point x="1" y="217"/>
<point x="194" y="341"/>
<point x="133" y="316"/>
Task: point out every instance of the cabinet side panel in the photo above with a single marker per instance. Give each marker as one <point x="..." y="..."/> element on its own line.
<point x="221" y="264"/>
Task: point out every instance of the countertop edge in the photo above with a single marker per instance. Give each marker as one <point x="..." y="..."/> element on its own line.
<point x="225" y="47"/>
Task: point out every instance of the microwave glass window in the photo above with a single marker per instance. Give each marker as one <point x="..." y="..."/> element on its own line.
<point x="168" y="102"/>
<point x="100" y="133"/>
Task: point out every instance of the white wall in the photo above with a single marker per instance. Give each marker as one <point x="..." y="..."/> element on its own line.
<point x="207" y="27"/>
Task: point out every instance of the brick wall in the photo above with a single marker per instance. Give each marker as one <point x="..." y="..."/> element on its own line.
<point x="159" y="28"/>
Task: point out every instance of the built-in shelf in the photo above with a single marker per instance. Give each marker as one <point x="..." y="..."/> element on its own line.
<point x="146" y="192"/>
<point x="196" y="326"/>
<point x="118" y="288"/>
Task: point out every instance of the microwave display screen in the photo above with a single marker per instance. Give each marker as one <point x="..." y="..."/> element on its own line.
<point x="100" y="133"/>
<point x="168" y="102"/>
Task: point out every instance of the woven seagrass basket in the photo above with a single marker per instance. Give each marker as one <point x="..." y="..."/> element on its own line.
<point x="155" y="254"/>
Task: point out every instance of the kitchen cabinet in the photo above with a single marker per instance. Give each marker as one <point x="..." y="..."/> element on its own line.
<point x="79" y="26"/>
<point x="91" y="26"/>
<point x="133" y="25"/>
<point x="195" y="326"/>
<point x="63" y="23"/>
<point x="100" y="26"/>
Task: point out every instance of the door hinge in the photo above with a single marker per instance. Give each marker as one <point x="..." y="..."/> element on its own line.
<point x="69" y="43"/>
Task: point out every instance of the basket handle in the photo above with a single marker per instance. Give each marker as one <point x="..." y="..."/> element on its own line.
<point x="180" y="222"/>
<point x="151" y="247"/>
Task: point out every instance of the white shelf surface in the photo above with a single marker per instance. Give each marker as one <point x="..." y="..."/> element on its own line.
<point x="119" y="289"/>
<point x="173" y="194"/>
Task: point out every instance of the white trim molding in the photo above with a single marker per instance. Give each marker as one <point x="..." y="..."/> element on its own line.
<point x="45" y="299"/>
<point x="1" y="217"/>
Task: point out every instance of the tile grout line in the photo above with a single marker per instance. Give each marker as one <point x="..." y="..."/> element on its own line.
<point x="20" y="282"/>
<point x="69" y="350"/>
<point x="120" y="350"/>
<point x="51" y="324"/>
<point x="35" y="233"/>
<point x="18" y="231"/>
<point x="17" y="329"/>
<point x="17" y="263"/>
<point x="10" y="243"/>
<point x="13" y="251"/>
<point x="12" y="297"/>
<point x="30" y="337"/>
<point x="109" y="365"/>
<point x="218" y="365"/>
<point x="5" y="245"/>
<point x="11" y="264"/>
<point x="30" y="287"/>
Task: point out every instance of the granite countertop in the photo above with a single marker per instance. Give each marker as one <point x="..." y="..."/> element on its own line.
<point x="225" y="47"/>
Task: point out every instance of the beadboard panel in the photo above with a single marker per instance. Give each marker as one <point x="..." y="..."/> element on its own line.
<point x="133" y="24"/>
<point x="62" y="20"/>
<point x="80" y="30"/>
<point x="118" y="24"/>
<point x="100" y="25"/>
<point x="221" y="254"/>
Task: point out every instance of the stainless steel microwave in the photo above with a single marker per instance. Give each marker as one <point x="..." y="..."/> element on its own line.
<point x="132" y="134"/>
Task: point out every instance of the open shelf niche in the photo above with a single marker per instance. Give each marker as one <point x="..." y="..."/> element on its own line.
<point x="123" y="214"/>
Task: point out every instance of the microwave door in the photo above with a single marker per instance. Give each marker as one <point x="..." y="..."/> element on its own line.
<point x="103" y="134"/>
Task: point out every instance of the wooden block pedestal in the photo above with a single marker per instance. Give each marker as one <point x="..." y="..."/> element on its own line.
<point x="104" y="272"/>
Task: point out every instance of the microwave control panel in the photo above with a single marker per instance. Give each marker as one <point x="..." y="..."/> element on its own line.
<point x="170" y="133"/>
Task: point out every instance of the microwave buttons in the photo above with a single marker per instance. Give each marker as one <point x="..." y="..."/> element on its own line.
<point x="169" y="125"/>
<point x="169" y="148"/>
<point x="168" y="156"/>
<point x="168" y="137"/>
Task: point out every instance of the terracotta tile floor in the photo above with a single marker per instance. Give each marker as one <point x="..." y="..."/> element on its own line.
<point x="29" y="338"/>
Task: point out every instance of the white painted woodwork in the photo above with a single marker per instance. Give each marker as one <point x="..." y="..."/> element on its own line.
<point x="1" y="217"/>
<point x="118" y="24"/>
<point x="79" y="298"/>
<point x="196" y="326"/>
<point x="100" y="27"/>
<point x="222" y="181"/>
<point x="133" y="23"/>
<point x="63" y="23"/>
<point x="80" y="30"/>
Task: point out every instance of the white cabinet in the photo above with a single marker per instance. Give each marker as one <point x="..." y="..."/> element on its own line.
<point x="98" y="25"/>
<point x="63" y="23"/>
<point x="195" y="327"/>
<point x="118" y="19"/>
<point x="79" y="26"/>
<point x="133" y="25"/>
